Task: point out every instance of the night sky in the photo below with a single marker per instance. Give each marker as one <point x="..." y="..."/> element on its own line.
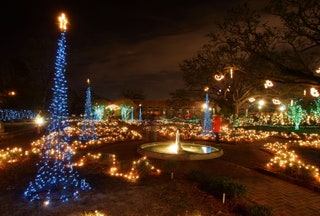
<point x="117" y="44"/>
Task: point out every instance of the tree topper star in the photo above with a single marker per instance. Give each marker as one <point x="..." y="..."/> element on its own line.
<point x="63" y="22"/>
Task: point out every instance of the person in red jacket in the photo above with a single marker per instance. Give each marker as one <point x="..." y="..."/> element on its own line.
<point x="216" y="127"/>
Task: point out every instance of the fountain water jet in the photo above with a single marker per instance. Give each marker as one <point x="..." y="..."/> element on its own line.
<point x="179" y="150"/>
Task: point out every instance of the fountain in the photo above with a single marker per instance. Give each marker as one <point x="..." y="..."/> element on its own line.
<point x="179" y="150"/>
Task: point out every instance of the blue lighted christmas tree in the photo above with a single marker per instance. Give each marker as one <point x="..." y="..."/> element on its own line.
<point x="207" y="123"/>
<point x="56" y="179"/>
<point x="140" y="112"/>
<point x="88" y="128"/>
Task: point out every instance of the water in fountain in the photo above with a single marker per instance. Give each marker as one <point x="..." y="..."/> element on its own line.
<point x="179" y="147"/>
<point x="179" y="150"/>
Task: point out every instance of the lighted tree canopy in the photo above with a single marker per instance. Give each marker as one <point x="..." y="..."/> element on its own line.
<point x="279" y="43"/>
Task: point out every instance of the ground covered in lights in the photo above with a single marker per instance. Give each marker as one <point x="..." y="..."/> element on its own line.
<point x="110" y="165"/>
<point x="152" y="194"/>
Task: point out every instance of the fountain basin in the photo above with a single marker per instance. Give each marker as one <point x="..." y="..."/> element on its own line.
<point x="187" y="151"/>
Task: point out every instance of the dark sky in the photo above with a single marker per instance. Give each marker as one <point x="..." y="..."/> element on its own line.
<point x="118" y="44"/>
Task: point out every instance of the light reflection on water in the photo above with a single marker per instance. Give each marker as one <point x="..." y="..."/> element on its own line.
<point x="173" y="148"/>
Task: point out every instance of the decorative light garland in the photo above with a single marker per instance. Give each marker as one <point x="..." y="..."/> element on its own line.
<point x="314" y="92"/>
<point x="268" y="84"/>
<point x="10" y="114"/>
<point x="285" y="158"/>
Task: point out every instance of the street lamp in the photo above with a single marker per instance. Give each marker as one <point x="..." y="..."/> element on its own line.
<point x="204" y="106"/>
<point x="39" y="122"/>
<point x="9" y="98"/>
<point x="260" y="103"/>
<point x="282" y="108"/>
<point x="11" y="93"/>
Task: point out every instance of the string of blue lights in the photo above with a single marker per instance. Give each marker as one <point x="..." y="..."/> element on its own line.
<point x="207" y="122"/>
<point x="88" y="128"/>
<point x="56" y="180"/>
<point x="10" y="114"/>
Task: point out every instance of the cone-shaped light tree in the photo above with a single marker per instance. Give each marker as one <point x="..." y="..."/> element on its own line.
<point x="56" y="180"/>
<point x="207" y="123"/>
<point x="88" y="128"/>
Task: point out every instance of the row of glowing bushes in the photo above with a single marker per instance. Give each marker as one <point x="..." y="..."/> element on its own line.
<point x="111" y="132"/>
<point x="12" y="155"/>
<point x="242" y="135"/>
<point x="278" y="119"/>
<point x="109" y="135"/>
<point x="193" y="131"/>
<point x="106" y="130"/>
